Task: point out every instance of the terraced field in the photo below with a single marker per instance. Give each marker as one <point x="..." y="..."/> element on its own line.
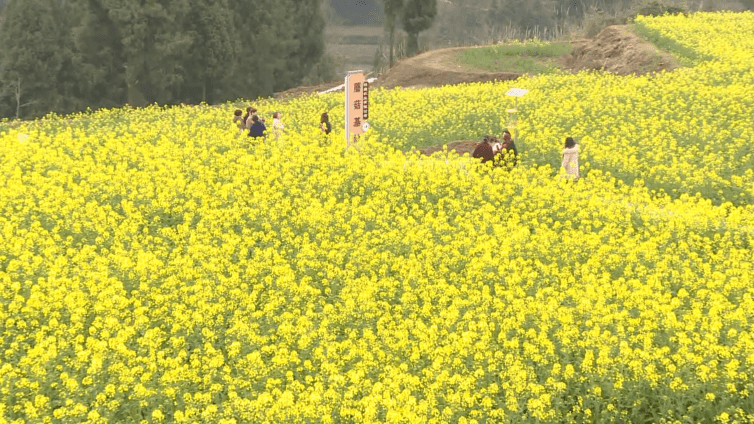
<point x="159" y="273"/>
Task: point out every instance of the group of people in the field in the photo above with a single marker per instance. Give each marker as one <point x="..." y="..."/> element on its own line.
<point x="254" y="125"/>
<point x="500" y="153"/>
<point x="504" y="153"/>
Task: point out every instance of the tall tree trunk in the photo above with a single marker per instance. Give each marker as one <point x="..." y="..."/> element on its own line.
<point x="134" y="95"/>
<point x="18" y="98"/>
<point x="392" y="41"/>
<point x="412" y="44"/>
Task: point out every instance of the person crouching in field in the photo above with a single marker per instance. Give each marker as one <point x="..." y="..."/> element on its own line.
<point x="485" y="150"/>
<point x="491" y="149"/>
<point x="257" y="128"/>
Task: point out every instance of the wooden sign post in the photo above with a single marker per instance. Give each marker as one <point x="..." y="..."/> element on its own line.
<point x="357" y="105"/>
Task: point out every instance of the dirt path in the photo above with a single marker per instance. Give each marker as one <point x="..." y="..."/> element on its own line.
<point x="437" y="68"/>
<point x="615" y="49"/>
<point x="460" y="147"/>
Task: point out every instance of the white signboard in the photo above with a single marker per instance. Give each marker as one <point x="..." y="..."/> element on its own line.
<point x="516" y="92"/>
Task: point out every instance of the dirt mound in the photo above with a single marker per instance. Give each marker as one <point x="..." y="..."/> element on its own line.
<point x="436" y="68"/>
<point x="616" y="49"/>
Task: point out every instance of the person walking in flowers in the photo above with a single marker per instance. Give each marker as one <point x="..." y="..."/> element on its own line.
<point x="249" y="117"/>
<point x="324" y="123"/>
<point x="325" y="127"/>
<point x="571" y="158"/>
<point x="277" y="125"/>
<point x="508" y="150"/>
<point x="238" y="119"/>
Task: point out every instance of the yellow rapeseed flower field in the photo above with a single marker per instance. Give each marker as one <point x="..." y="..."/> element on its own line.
<point x="156" y="268"/>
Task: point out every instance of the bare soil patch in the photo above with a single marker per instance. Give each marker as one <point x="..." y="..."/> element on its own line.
<point x="436" y="68"/>
<point x="617" y="50"/>
<point x="460" y="147"/>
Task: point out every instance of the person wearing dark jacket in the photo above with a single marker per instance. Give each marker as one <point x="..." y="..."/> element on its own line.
<point x="257" y="128"/>
<point x="324" y="123"/>
<point x="510" y="154"/>
<point x="484" y="150"/>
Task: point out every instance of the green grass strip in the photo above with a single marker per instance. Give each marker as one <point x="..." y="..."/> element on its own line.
<point x="532" y="57"/>
<point x="685" y="55"/>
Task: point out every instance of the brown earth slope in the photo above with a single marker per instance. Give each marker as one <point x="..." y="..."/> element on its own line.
<point x="437" y="68"/>
<point x="615" y="49"/>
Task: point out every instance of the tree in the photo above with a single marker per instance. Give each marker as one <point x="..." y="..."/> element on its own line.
<point x="392" y="9"/>
<point x="15" y="90"/>
<point x="214" y="50"/>
<point x="417" y="16"/>
<point x="36" y="62"/>
<point x="101" y="56"/>
<point x="155" y="47"/>
<point x="267" y="42"/>
<point x="308" y="45"/>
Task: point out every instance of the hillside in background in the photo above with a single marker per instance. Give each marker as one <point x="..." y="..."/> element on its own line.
<point x="617" y="49"/>
<point x="355" y="32"/>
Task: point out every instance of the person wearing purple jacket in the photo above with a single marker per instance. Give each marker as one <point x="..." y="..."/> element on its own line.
<point x="257" y="128"/>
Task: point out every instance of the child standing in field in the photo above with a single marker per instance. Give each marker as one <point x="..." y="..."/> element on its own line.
<point x="325" y="127"/>
<point x="250" y="113"/>
<point x="510" y="154"/>
<point x="237" y="118"/>
<point x="324" y="123"/>
<point x="277" y="125"/>
<point x="247" y="118"/>
<point x="571" y="158"/>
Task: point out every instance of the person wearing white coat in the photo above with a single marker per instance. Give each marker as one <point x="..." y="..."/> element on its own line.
<point x="277" y="125"/>
<point x="571" y="158"/>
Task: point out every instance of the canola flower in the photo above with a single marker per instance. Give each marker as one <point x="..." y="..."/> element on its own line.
<point x="154" y="274"/>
